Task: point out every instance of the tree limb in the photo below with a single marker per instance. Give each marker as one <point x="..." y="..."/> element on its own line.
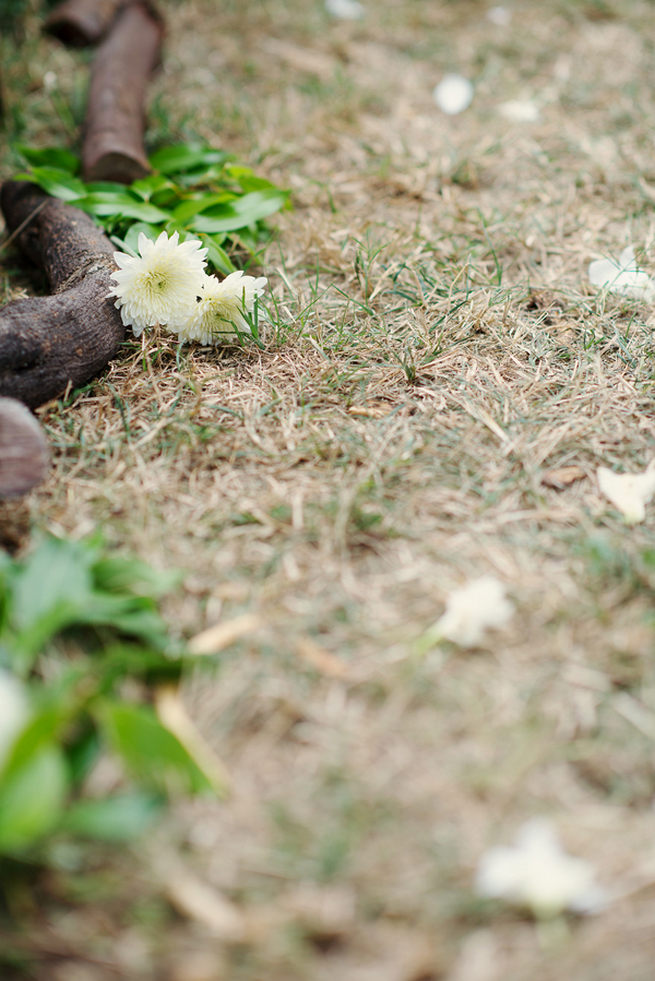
<point x="24" y="455"/>
<point x="81" y="22"/>
<point x="113" y="138"/>
<point x="48" y="343"/>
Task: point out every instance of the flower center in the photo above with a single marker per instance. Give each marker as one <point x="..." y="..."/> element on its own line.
<point x="154" y="281"/>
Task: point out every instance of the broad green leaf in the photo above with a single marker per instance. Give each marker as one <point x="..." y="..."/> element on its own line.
<point x="176" y="159"/>
<point x="117" y="819"/>
<point x="120" y="205"/>
<point x="57" y="182"/>
<point x="153" y="184"/>
<point x="199" y="203"/>
<point x="246" y="179"/>
<point x="49" y="589"/>
<point x="240" y="212"/>
<point x="216" y="255"/>
<point x="131" y="240"/>
<point x="133" y="616"/>
<point x="152" y="754"/>
<point x="32" y="799"/>
<point x="51" y="156"/>
<point x="120" y="573"/>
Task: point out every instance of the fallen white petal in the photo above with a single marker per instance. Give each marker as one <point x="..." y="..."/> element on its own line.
<point x="500" y="16"/>
<point x="453" y="94"/>
<point x="520" y="111"/>
<point x="536" y="873"/>
<point x="628" y="492"/>
<point x="622" y="276"/>
<point x="345" y="9"/>
<point x="479" y="606"/>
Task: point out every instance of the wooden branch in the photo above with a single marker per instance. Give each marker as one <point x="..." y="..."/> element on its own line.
<point x="113" y="138"/>
<point x="24" y="455"/>
<point x="48" y="343"/>
<point x="81" y="22"/>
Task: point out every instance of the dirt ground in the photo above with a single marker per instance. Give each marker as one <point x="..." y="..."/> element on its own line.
<point x="435" y="353"/>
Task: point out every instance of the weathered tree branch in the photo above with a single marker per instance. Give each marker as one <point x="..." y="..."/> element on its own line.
<point x="81" y="22"/>
<point x="50" y="342"/>
<point x="24" y="455"/>
<point x="113" y="137"/>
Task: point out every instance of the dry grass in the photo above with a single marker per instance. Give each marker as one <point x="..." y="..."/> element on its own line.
<point x="434" y="351"/>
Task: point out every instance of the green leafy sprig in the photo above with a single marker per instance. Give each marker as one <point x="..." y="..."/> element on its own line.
<point x="81" y="633"/>
<point x="199" y="192"/>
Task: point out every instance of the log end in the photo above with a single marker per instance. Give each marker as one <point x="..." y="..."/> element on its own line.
<point x="24" y="454"/>
<point x="116" y="166"/>
<point x="70" y="33"/>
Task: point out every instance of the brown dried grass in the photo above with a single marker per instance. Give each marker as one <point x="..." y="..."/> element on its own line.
<point x="388" y="443"/>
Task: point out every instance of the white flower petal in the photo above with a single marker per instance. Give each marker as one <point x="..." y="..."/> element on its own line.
<point x="453" y="94"/>
<point x="500" y="16"/>
<point x="472" y="610"/>
<point x="628" y="492"/>
<point x="520" y="111"/>
<point x="537" y="874"/>
<point x="345" y="9"/>
<point x="622" y="276"/>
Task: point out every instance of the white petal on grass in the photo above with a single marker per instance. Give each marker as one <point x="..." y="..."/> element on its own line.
<point x="14" y="712"/>
<point x="479" y="606"/>
<point x="223" y="308"/>
<point x="453" y="94"/>
<point x="500" y="16"/>
<point x="520" y="111"/>
<point x="345" y="9"/>
<point x="538" y="875"/>
<point x="628" y="492"/>
<point x="161" y="284"/>
<point x="622" y="276"/>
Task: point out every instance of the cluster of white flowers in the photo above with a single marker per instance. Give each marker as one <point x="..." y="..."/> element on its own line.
<point x="166" y="284"/>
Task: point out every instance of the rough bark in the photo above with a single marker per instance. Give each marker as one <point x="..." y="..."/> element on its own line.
<point x="115" y="120"/>
<point x="24" y="455"/>
<point x="82" y="22"/>
<point x="48" y="343"/>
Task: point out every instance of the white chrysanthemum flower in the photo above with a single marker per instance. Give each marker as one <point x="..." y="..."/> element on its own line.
<point x="538" y="875"/>
<point x="472" y="610"/>
<point x="629" y="492"/>
<point x="223" y="308"/>
<point x="159" y="286"/>
<point x="14" y="711"/>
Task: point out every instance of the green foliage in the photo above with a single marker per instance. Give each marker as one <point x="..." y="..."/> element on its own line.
<point x="76" y="624"/>
<point x="197" y="191"/>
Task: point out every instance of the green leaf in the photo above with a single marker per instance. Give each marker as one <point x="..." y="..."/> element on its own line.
<point x="240" y="213"/>
<point x="131" y="241"/>
<point x="32" y="799"/>
<point x="178" y="159"/>
<point x="151" y="753"/>
<point x="116" y="204"/>
<point x="51" y="156"/>
<point x="120" y="573"/>
<point x="57" y="182"/>
<point x="216" y="255"/>
<point x="199" y="203"/>
<point x="47" y="594"/>
<point x="116" y="819"/>
<point x="153" y="184"/>
<point x="245" y="178"/>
